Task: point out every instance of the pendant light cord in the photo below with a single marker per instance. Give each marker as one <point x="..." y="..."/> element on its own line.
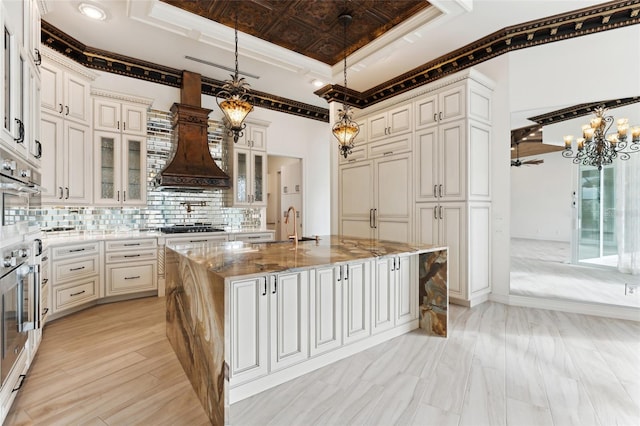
<point x="236" y="30"/>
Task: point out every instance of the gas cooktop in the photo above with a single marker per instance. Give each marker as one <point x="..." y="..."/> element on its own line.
<point x="197" y="227"/>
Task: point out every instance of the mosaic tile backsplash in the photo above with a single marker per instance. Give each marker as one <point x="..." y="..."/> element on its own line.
<point x="163" y="208"/>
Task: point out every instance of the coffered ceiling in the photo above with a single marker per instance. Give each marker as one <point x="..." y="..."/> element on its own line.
<point x="308" y="27"/>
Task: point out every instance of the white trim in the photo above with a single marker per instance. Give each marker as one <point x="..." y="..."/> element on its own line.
<point x="601" y="310"/>
<point x="121" y="96"/>
<point x="67" y="63"/>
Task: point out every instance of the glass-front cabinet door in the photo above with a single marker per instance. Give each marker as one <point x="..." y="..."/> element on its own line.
<point x="241" y="176"/>
<point x="258" y="178"/>
<point x="107" y="155"/>
<point x="134" y="182"/>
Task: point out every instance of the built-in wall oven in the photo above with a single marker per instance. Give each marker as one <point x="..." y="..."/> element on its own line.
<point x="19" y="263"/>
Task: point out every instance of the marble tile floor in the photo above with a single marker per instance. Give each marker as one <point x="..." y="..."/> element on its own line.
<point x="501" y="365"/>
<point x="541" y="269"/>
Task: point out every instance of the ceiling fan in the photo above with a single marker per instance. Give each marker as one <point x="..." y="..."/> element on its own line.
<point x="518" y="163"/>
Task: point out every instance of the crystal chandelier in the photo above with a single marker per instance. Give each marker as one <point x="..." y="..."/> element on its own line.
<point x="345" y="130"/>
<point x="596" y="148"/>
<point x="236" y="105"/>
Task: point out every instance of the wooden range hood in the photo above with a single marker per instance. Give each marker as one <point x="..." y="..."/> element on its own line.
<point x="192" y="168"/>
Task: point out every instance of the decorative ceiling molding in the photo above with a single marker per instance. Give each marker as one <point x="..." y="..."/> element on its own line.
<point x="580" y="110"/>
<point x="590" y="20"/>
<point x="111" y="62"/>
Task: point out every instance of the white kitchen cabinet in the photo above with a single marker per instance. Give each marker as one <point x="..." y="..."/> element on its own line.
<point x="33" y="135"/>
<point x="120" y="169"/>
<point x="392" y="122"/>
<point x="269" y="324"/>
<point x="67" y="158"/>
<point x="253" y="237"/>
<point x="76" y="271"/>
<point x="406" y="297"/>
<point x="356" y="301"/>
<point x="289" y="318"/>
<point x="254" y="136"/>
<point x="65" y="88"/>
<point x="116" y="116"/>
<point x="291" y="178"/>
<point x="383" y="295"/>
<point x="249" y="301"/>
<point x="249" y="178"/>
<point x="376" y="198"/>
<point x="325" y="308"/>
<point x="131" y="266"/>
<point x="440" y="162"/>
<point x="441" y="106"/>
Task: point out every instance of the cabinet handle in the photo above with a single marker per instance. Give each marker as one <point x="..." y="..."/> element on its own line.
<point x="275" y="285"/>
<point x="38" y="153"/>
<point x="38" y="58"/>
<point x="124" y="196"/>
<point x="435" y="117"/>
<point x="118" y="124"/>
<point x="66" y="189"/>
<point x="440" y="212"/>
<point x="435" y="212"/>
<point x="61" y="193"/>
<point x="132" y="255"/>
<point x="67" y="108"/>
<point x="78" y="293"/>
<point x="435" y="189"/>
<point x="398" y="268"/>
<point x="264" y="293"/>
<point x="45" y="280"/>
<point x="375" y="212"/>
<point x="370" y="218"/>
<point x="44" y="312"/>
<point x="346" y="273"/>
<point x="254" y="237"/>
<point x="20" y="138"/>
<point x="118" y="196"/>
<point x="45" y="258"/>
<point x="387" y="153"/>
<point x="197" y="241"/>
<point x="76" y="250"/>
<point x="17" y="388"/>
<point x="131" y="244"/>
<point x="76" y="269"/>
<point x="440" y="116"/>
<point x="132" y="278"/>
<point x="440" y="190"/>
<point x="61" y="109"/>
<point x="124" y="126"/>
<point x="340" y="274"/>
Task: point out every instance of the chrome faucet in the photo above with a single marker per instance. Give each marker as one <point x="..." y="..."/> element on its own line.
<point x="295" y="224"/>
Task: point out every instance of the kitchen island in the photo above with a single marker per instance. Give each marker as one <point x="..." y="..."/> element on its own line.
<point x="246" y="317"/>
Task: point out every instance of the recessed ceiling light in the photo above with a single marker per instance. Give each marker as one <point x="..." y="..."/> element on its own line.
<point x="92" y="11"/>
<point x="317" y="83"/>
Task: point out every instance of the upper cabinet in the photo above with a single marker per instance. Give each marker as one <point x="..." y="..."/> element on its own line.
<point x="65" y="88"/>
<point x="120" y="143"/>
<point x="114" y="116"/>
<point x="393" y="122"/>
<point x="249" y="166"/>
<point x="440" y="107"/>
<point x="254" y="136"/>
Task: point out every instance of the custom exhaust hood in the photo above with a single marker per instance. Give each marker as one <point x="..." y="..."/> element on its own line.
<point x="192" y="168"/>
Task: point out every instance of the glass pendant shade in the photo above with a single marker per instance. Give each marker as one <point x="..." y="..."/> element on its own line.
<point x="235" y="111"/>
<point x="345" y="130"/>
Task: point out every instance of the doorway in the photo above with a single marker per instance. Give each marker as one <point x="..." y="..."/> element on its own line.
<point x="596" y="238"/>
<point x="285" y="189"/>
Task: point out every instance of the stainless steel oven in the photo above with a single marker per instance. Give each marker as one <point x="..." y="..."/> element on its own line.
<point x="19" y="300"/>
<point x="19" y="195"/>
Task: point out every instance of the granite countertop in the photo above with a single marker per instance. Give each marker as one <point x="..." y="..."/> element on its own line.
<point x="235" y="259"/>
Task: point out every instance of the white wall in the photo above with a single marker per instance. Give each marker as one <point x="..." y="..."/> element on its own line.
<point x="287" y="135"/>
<point x="541" y="199"/>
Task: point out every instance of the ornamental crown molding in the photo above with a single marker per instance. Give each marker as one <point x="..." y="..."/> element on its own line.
<point x="57" y="58"/>
<point x="121" y="96"/>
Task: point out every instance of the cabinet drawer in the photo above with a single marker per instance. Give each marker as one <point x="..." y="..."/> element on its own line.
<point x="76" y="250"/>
<point x="197" y="239"/>
<point x="77" y="293"/>
<point x="132" y="256"/>
<point x="131" y="244"/>
<point x="75" y="268"/>
<point x="359" y="152"/>
<point x="254" y="238"/>
<point x="390" y="146"/>
<point x="122" y="279"/>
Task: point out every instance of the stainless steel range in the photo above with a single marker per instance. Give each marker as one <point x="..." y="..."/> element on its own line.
<point x="188" y="228"/>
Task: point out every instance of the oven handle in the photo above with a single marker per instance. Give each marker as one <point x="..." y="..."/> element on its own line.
<point x="35" y="324"/>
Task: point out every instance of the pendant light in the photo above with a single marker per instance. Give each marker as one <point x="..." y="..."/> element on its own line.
<point x="236" y="104"/>
<point x="345" y="130"/>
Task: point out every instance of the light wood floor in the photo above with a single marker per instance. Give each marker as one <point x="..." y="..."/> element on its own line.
<point x="501" y="365"/>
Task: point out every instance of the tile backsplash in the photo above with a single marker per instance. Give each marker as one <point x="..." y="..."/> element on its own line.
<point x="163" y="208"/>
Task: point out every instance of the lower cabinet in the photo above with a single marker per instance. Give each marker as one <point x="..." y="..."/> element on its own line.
<point x="269" y="324"/>
<point x="356" y="310"/>
<point x="394" y="299"/>
<point x="76" y="271"/>
<point x="131" y="266"/>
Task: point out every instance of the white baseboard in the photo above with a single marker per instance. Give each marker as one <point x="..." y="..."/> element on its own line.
<point x="601" y="310"/>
